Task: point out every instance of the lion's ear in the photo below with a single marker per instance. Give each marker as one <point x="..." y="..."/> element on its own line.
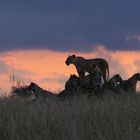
<point x="138" y="74"/>
<point x="73" y="56"/>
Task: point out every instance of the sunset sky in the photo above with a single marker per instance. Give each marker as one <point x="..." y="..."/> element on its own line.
<point x="36" y="36"/>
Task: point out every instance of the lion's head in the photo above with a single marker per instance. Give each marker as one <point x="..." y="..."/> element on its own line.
<point x="70" y="60"/>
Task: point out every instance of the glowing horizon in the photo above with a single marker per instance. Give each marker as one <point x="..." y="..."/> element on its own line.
<point x="47" y="68"/>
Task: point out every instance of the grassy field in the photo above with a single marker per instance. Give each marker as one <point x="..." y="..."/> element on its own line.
<point x="107" y="117"/>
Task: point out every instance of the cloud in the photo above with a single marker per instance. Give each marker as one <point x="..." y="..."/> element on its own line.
<point x="56" y="78"/>
<point x="123" y="62"/>
<point x="133" y="38"/>
<point x="4" y="68"/>
<point x="23" y="75"/>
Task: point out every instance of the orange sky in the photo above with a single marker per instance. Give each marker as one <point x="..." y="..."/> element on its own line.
<point x="48" y="69"/>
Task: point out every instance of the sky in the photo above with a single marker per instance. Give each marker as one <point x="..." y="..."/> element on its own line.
<point x="36" y="36"/>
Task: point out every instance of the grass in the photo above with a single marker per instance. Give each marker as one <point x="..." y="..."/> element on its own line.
<point x="107" y="117"/>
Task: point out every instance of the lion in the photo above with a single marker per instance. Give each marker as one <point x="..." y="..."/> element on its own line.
<point x="115" y="80"/>
<point x="114" y="83"/>
<point x="93" y="80"/>
<point x="130" y="84"/>
<point x="73" y="83"/>
<point x="72" y="87"/>
<point x="86" y="65"/>
<point x="38" y="91"/>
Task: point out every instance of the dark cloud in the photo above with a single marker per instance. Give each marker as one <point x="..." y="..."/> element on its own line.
<point x="68" y="25"/>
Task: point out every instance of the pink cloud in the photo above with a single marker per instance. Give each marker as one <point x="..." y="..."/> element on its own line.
<point x="48" y="68"/>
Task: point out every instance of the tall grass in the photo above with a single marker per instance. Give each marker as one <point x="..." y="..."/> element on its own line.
<point x="107" y="117"/>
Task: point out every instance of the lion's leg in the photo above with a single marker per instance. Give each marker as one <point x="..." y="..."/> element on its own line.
<point x="104" y="75"/>
<point x="104" y="78"/>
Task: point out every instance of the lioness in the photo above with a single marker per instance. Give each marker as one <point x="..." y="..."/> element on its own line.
<point x="114" y="83"/>
<point x="38" y="91"/>
<point x="115" y="80"/>
<point x="93" y="80"/>
<point x="130" y="84"/>
<point x="86" y="65"/>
